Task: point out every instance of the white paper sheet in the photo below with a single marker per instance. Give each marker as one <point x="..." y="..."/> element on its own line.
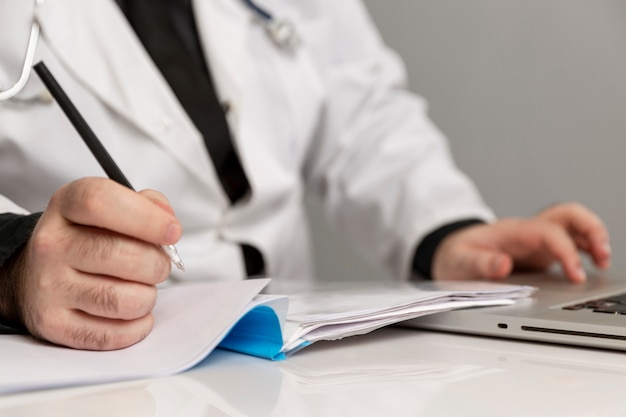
<point x="190" y="321"/>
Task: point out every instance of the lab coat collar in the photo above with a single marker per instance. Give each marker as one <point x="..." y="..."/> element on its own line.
<point x="96" y="45"/>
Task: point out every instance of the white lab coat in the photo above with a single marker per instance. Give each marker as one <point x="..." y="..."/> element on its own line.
<point x="332" y="117"/>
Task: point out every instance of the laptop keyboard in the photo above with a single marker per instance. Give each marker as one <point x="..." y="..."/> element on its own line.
<point x="614" y="304"/>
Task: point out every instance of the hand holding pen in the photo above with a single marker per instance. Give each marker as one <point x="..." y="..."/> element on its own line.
<point x="87" y="276"/>
<point x="93" y="143"/>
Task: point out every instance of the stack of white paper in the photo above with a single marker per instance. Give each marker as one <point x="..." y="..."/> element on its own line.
<point x="335" y="311"/>
<point x="192" y="320"/>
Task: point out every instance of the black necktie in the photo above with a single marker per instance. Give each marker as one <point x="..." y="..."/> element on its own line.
<point x="168" y="31"/>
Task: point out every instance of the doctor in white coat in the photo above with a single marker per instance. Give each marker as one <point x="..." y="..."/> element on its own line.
<point x="329" y="115"/>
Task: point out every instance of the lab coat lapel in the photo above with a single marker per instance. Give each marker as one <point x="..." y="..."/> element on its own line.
<point x="95" y="44"/>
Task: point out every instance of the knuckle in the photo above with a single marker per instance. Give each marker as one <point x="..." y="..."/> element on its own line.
<point x="575" y="210"/>
<point x="512" y="223"/>
<point x="44" y="243"/>
<point x="123" y="338"/>
<point x="104" y="297"/>
<point x="575" y="206"/>
<point x="162" y="268"/>
<point x="38" y="323"/>
<point x="88" y="337"/>
<point x="90" y="202"/>
<point x="98" y="246"/>
<point x="83" y="198"/>
<point x="139" y="302"/>
<point x="133" y="251"/>
<point x="568" y="208"/>
<point x="156" y="197"/>
<point x="57" y="197"/>
<point x="145" y="263"/>
<point x="46" y="324"/>
<point x="150" y="300"/>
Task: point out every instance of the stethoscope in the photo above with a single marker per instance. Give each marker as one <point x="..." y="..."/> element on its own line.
<point x="28" y="61"/>
<point x="282" y="32"/>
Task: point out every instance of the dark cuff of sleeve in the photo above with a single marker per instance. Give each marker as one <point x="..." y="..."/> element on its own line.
<point x="15" y="230"/>
<point x="425" y="252"/>
<point x="11" y="330"/>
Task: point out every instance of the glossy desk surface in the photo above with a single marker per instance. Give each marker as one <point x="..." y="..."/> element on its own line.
<point x="390" y="372"/>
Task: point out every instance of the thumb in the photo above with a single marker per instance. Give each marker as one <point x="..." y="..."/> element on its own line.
<point x="489" y="264"/>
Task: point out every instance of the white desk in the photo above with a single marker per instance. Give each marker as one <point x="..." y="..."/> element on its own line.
<point x="391" y="372"/>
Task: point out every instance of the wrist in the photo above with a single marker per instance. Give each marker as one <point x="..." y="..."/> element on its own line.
<point x="423" y="259"/>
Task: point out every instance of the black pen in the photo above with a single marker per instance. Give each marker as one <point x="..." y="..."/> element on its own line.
<point x="93" y="143"/>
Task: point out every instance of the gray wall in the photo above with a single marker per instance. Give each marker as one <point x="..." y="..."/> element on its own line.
<point x="532" y="96"/>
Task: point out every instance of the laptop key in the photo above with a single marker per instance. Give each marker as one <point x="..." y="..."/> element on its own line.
<point x="614" y="304"/>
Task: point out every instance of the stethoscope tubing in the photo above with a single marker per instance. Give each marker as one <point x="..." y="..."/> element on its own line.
<point x="281" y="31"/>
<point x="28" y="61"/>
<point x="259" y="11"/>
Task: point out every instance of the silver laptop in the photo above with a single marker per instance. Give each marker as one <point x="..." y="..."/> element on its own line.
<point x="591" y="314"/>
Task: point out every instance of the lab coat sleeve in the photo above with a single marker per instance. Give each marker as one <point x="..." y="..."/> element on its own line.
<point x="383" y="170"/>
<point x="8" y="206"/>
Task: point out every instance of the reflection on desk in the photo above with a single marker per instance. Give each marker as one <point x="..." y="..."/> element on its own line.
<point x="393" y="372"/>
<point x="213" y="388"/>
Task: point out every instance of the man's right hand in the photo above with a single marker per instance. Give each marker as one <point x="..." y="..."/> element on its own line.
<point x="87" y="276"/>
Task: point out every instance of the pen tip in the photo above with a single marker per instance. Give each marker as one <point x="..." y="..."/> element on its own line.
<point x="180" y="265"/>
<point x="171" y="251"/>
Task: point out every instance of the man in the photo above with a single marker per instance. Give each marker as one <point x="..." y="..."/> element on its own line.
<point x="203" y="105"/>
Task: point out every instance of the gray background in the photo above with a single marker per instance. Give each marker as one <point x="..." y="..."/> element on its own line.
<point x="531" y="95"/>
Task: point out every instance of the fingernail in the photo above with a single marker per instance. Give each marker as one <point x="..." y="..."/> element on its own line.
<point x="581" y="275"/>
<point x="607" y="248"/>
